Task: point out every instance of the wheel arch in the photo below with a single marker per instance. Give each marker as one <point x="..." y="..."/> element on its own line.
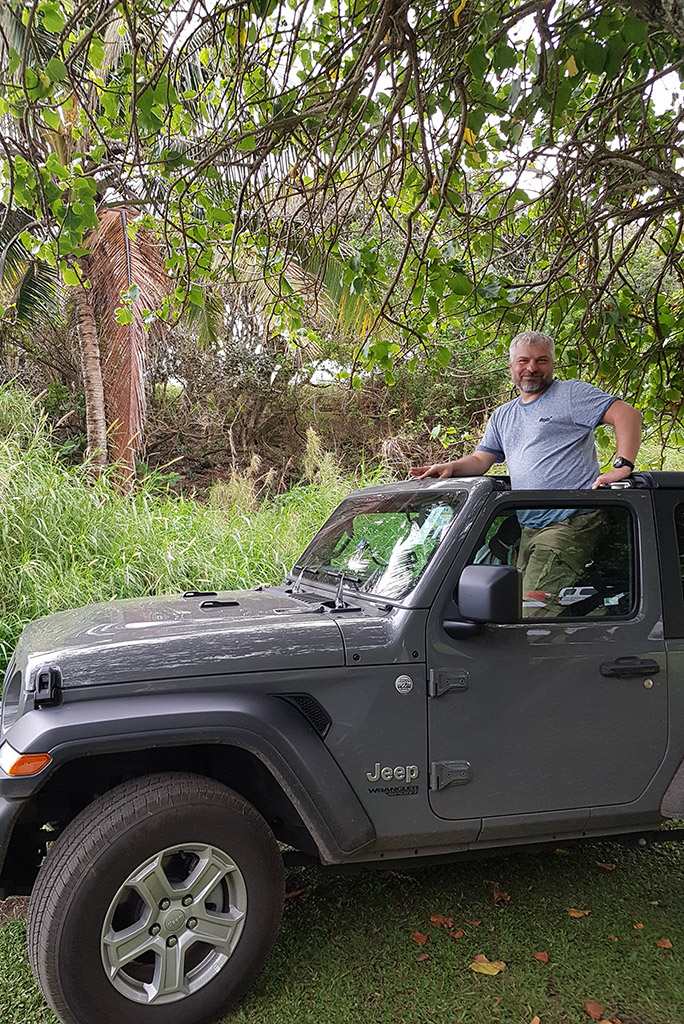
<point x="259" y="745"/>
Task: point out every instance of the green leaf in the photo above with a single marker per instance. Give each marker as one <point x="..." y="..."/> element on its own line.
<point x="634" y="30"/>
<point x="477" y="61"/>
<point x="594" y="57"/>
<point x="504" y="57"/>
<point x="220" y="215"/>
<point x="617" y="48"/>
<point x="69" y="276"/>
<point x="460" y="285"/>
<point x="52" y="120"/>
<point x="131" y="294"/>
<point x="56" y="69"/>
<point x="124" y="315"/>
<point x="52" y="18"/>
<point x="96" y="52"/>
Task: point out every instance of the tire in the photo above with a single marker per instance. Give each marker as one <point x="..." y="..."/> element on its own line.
<point x="157" y="905"/>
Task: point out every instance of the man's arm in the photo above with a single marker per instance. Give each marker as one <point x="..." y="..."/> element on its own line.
<point x="469" y="465"/>
<point x="626" y="421"/>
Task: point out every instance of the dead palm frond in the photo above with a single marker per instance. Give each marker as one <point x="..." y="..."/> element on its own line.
<point x="128" y="274"/>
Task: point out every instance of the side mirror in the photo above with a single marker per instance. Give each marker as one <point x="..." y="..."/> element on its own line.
<point x="490" y="593"/>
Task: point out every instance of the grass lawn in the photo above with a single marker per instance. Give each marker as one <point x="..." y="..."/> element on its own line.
<point x="346" y="952"/>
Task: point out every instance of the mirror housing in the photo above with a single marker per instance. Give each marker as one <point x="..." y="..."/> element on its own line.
<point x="490" y="593"/>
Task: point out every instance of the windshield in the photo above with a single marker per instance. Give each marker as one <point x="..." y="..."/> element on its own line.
<point x="380" y="543"/>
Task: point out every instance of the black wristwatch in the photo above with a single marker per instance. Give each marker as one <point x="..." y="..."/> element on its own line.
<point x="620" y="462"/>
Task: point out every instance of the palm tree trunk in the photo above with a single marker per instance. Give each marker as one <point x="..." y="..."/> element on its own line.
<point x="96" y="423"/>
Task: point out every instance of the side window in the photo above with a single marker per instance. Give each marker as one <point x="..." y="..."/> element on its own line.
<point x="576" y="562"/>
<point x="679" y="528"/>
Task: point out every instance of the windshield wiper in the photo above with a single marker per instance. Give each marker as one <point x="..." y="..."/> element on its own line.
<point x="342" y="576"/>
<point x="338" y="574"/>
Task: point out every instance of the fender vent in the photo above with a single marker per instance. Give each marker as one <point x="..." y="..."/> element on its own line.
<point x="311" y="709"/>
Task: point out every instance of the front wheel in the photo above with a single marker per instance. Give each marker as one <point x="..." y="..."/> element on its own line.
<point x="157" y="905"/>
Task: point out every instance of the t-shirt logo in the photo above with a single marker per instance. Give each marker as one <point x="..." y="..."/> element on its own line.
<point x="545" y="419"/>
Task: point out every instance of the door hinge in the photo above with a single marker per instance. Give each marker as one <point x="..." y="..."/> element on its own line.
<point x="48" y="683"/>
<point x="442" y="682"/>
<point x="449" y="773"/>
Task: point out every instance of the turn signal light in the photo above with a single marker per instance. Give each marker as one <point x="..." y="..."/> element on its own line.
<point x="15" y="764"/>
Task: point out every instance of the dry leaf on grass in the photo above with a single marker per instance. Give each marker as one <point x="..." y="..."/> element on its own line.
<point x="422" y="957"/>
<point x="474" y="924"/>
<point x="606" y="867"/>
<point x="499" y="896"/>
<point x="613" y="938"/>
<point x="639" y="926"/>
<point x="594" y="1009"/>
<point x="481" y="965"/>
<point x="542" y="957"/>
<point x="457" y="935"/>
<point x="419" y="938"/>
<point x="535" y="1020"/>
<point x="663" y="944"/>
<point x="563" y="853"/>
<point x="578" y="913"/>
<point x="440" y="921"/>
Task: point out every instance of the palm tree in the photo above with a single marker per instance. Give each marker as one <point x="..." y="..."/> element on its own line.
<point x="111" y="331"/>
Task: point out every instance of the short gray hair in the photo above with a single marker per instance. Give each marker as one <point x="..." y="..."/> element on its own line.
<point x="532" y="338"/>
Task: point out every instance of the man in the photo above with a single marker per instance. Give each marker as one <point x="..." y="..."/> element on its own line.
<point x="546" y="436"/>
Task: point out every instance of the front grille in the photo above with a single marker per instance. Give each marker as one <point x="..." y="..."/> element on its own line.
<point x="311" y="709"/>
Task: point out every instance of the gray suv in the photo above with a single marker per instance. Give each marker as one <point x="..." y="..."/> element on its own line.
<point x="400" y="697"/>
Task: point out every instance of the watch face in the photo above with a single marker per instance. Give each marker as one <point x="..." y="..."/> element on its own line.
<point x="620" y="462"/>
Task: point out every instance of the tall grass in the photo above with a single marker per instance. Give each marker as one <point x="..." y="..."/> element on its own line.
<point x="67" y="540"/>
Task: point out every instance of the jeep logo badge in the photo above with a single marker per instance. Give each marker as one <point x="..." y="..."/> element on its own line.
<point x="403" y="684"/>
<point x="402" y="773"/>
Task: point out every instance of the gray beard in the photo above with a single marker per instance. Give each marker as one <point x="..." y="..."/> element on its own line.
<point x="531" y="388"/>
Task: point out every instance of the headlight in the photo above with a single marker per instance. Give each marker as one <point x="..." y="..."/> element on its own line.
<point x="11" y="693"/>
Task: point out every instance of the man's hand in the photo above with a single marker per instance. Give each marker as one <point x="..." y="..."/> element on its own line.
<point x="441" y="470"/>
<point x="611" y="477"/>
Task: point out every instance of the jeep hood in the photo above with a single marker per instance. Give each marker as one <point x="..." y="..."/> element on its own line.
<point x="176" y="636"/>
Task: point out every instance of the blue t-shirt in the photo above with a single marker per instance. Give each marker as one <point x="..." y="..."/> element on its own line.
<point x="549" y="442"/>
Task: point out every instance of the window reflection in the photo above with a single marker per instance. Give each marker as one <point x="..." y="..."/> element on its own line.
<point x="576" y="562"/>
<point x="381" y="543"/>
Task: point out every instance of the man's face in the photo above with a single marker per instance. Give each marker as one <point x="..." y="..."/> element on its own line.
<point x="532" y="368"/>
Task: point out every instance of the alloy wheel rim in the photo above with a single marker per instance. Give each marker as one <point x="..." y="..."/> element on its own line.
<point x="174" y="923"/>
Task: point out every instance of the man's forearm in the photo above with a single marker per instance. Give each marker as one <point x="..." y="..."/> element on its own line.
<point x="471" y="465"/>
<point x="627" y="432"/>
<point x="626" y="421"/>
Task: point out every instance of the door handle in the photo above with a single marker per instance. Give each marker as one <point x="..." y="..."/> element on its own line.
<point x="629" y="666"/>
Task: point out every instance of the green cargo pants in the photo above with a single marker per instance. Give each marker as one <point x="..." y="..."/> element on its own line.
<point x="556" y="556"/>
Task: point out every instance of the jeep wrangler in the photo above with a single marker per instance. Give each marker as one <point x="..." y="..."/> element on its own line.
<point x="399" y="697"/>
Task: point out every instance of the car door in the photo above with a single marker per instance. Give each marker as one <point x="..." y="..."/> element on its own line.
<point x="557" y="713"/>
